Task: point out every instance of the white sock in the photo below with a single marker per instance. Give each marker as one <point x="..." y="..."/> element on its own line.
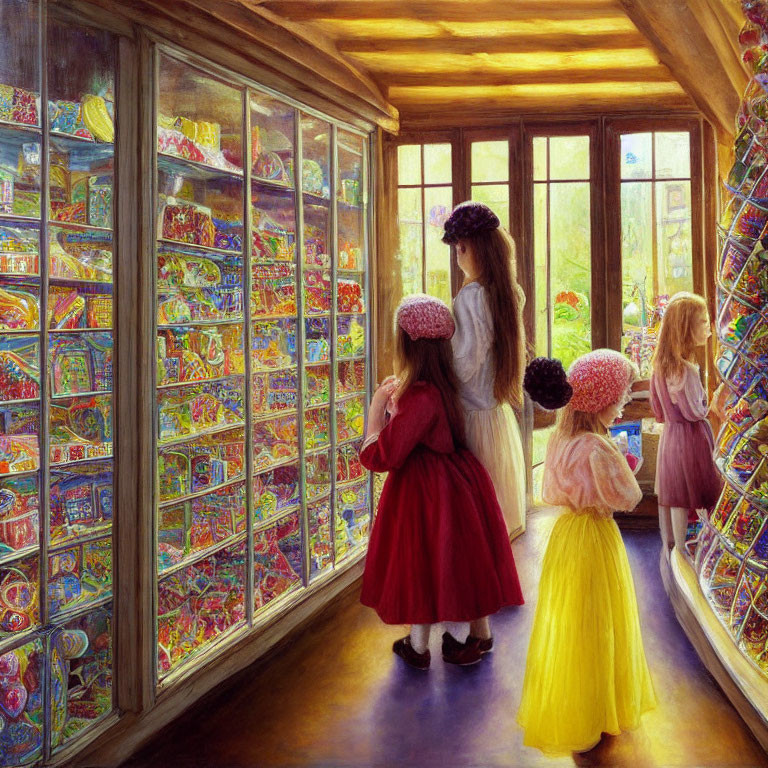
<point x="459" y="630"/>
<point x="420" y="637"/>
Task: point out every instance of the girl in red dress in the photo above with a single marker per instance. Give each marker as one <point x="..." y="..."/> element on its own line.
<point x="439" y="550"/>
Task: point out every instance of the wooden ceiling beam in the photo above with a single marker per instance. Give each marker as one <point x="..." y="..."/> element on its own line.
<point x="510" y="62"/>
<point x="446" y="10"/>
<point x="413" y="121"/>
<point x="658" y="74"/>
<point x="447" y="43"/>
<point x="700" y="59"/>
<point x="556" y="95"/>
<point x="416" y="29"/>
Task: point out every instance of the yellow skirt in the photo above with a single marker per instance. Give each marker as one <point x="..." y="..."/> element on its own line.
<point x="586" y="671"/>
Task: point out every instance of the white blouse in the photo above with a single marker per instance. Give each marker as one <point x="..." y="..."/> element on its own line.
<point x="473" y="348"/>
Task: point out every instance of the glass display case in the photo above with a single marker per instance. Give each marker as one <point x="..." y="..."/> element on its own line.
<point x="57" y="174"/>
<point x="262" y="354"/>
<point x="731" y="549"/>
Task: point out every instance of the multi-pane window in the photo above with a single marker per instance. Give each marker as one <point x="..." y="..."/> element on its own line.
<point x="656" y="241"/>
<point x="424" y="201"/>
<point x="562" y="243"/>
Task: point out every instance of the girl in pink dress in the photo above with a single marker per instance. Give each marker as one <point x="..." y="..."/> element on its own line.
<point x="439" y="550"/>
<point x="686" y="476"/>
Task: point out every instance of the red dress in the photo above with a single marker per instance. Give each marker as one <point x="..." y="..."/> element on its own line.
<point x="439" y="549"/>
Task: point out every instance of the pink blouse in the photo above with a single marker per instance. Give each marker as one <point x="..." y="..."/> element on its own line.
<point x="588" y="471"/>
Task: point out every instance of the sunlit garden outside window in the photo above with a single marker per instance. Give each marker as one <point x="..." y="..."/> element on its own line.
<point x="490" y="176"/>
<point x="562" y="245"/>
<point x="425" y="200"/>
<point x="656" y="245"/>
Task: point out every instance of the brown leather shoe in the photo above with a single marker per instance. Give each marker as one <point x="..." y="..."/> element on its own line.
<point x="462" y="654"/>
<point x="484" y="645"/>
<point x="406" y="652"/>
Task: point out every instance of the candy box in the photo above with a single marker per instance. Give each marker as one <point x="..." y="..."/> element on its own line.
<point x="25" y="107"/>
<point x="100" y="201"/>
<point x="6" y="103"/>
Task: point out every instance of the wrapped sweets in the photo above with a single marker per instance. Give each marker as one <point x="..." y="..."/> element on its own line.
<point x="18" y="309"/>
<point x="25" y="107"/>
<point x="350" y="296"/>
<point x="187" y="222"/>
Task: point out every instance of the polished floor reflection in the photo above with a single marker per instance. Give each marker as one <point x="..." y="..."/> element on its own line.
<point x="337" y="697"/>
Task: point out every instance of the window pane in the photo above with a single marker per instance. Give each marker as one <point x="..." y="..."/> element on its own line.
<point x="673" y="236"/>
<point x="410" y="225"/>
<point x="569" y="157"/>
<point x="673" y="155"/>
<point x="571" y="270"/>
<point x="496" y="197"/>
<point x="638" y="279"/>
<point x="540" y="271"/>
<point x="409" y="164"/>
<point x="648" y="280"/>
<point x="437" y="207"/>
<point x="636" y="155"/>
<point x="490" y="161"/>
<point x="540" y="158"/>
<point x="437" y="164"/>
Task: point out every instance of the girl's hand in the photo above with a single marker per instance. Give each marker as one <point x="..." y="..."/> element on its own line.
<point x="377" y="411"/>
<point x="717" y="405"/>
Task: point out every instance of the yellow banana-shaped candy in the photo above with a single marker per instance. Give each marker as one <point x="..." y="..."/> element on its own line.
<point x="97" y="119"/>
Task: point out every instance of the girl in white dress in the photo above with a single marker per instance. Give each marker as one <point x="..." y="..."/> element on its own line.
<point x="489" y="360"/>
<point x="489" y="351"/>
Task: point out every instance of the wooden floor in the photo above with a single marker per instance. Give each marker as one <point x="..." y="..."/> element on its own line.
<point x="337" y="697"/>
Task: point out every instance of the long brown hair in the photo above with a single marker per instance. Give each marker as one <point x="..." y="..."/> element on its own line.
<point x="494" y="253"/>
<point x="431" y="360"/>
<point x="676" y="341"/>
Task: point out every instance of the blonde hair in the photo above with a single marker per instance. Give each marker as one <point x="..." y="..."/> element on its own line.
<point x="676" y="338"/>
<point x="571" y="422"/>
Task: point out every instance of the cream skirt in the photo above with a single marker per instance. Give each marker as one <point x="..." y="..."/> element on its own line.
<point x="494" y="437"/>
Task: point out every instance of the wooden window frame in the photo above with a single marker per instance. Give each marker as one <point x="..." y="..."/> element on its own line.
<point x="614" y="129"/>
<point x="421" y="139"/>
<point x="590" y="128"/>
<point x="605" y="194"/>
<point x="515" y="185"/>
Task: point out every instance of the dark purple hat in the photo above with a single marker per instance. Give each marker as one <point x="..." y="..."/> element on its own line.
<point x="467" y="220"/>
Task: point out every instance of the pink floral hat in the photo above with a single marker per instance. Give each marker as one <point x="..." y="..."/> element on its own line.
<point x="425" y="317"/>
<point x="599" y="379"/>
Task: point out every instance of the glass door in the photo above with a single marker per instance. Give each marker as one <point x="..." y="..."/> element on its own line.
<point x="201" y="398"/>
<point x="353" y="502"/>
<point x="57" y="185"/>
<point x="262" y="348"/>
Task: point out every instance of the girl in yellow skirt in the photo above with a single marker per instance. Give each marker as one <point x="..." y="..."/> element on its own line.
<point x="586" y="672"/>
